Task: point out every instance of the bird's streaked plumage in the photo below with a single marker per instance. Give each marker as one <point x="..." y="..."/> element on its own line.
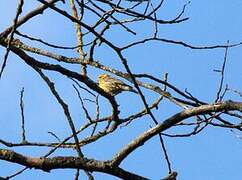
<point x="112" y="85"/>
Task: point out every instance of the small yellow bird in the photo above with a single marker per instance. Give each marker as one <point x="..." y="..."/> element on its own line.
<point x="112" y="85"/>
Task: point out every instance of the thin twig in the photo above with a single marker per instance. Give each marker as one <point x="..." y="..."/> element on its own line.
<point x="22" y="115"/>
<point x="19" y="11"/>
<point x="82" y="104"/>
<point x="97" y="116"/>
<point x="54" y="135"/>
<point x="218" y="97"/>
<point x="165" y="153"/>
<point x="64" y="107"/>
<point x="77" y="174"/>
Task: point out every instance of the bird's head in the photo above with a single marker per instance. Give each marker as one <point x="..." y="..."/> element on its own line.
<point x="102" y="76"/>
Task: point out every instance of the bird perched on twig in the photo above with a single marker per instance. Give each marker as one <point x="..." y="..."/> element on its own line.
<point x="112" y="85"/>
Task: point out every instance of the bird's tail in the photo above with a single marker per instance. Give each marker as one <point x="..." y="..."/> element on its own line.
<point x="129" y="88"/>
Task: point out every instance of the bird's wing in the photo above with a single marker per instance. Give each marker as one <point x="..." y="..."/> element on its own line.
<point x="121" y="83"/>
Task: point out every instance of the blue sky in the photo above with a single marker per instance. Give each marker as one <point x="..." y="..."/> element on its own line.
<point x="212" y="154"/>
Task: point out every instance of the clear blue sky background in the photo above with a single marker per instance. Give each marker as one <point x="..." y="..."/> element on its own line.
<point x="213" y="154"/>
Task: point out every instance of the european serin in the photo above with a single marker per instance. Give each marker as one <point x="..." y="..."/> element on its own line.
<point x="112" y="85"/>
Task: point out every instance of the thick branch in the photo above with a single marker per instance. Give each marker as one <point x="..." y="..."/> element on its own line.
<point x="47" y="164"/>
<point x="204" y="109"/>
